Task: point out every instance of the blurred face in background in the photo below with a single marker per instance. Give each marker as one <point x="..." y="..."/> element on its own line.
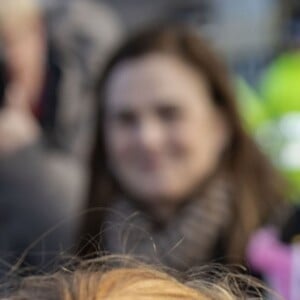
<point x="164" y="135"/>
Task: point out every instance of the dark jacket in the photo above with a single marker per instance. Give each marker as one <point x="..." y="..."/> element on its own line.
<point x="40" y="190"/>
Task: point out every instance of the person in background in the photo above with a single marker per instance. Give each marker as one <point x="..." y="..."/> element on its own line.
<point x="40" y="187"/>
<point x="42" y="161"/>
<point x="174" y="176"/>
<point x="50" y="53"/>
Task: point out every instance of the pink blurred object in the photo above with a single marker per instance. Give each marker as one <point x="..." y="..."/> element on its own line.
<point x="278" y="262"/>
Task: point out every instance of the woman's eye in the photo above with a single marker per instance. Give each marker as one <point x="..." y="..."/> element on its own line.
<point x="126" y="118"/>
<point x="169" y="113"/>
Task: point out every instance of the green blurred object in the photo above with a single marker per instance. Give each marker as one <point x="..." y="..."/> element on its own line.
<point x="280" y="89"/>
<point x="251" y="107"/>
<point x="280" y="86"/>
<point x="273" y="116"/>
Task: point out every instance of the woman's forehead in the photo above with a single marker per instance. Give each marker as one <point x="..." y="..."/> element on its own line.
<point x="153" y="75"/>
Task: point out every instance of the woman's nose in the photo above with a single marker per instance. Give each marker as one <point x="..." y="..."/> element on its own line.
<point x="149" y="135"/>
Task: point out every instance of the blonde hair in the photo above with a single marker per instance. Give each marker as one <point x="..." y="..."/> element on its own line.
<point x="105" y="281"/>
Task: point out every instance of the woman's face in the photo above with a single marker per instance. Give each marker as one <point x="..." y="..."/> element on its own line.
<point x="163" y="134"/>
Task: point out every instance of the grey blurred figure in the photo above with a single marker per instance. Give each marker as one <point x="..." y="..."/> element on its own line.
<point x="84" y="34"/>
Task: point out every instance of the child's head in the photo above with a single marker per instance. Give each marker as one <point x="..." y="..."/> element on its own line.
<point x="139" y="282"/>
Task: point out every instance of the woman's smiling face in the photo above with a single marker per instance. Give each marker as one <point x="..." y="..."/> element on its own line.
<point x="163" y="133"/>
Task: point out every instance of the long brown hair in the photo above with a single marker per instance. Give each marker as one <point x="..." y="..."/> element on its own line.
<point x="258" y="188"/>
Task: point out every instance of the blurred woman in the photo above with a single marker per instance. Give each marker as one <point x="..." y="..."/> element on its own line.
<point x="177" y="177"/>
